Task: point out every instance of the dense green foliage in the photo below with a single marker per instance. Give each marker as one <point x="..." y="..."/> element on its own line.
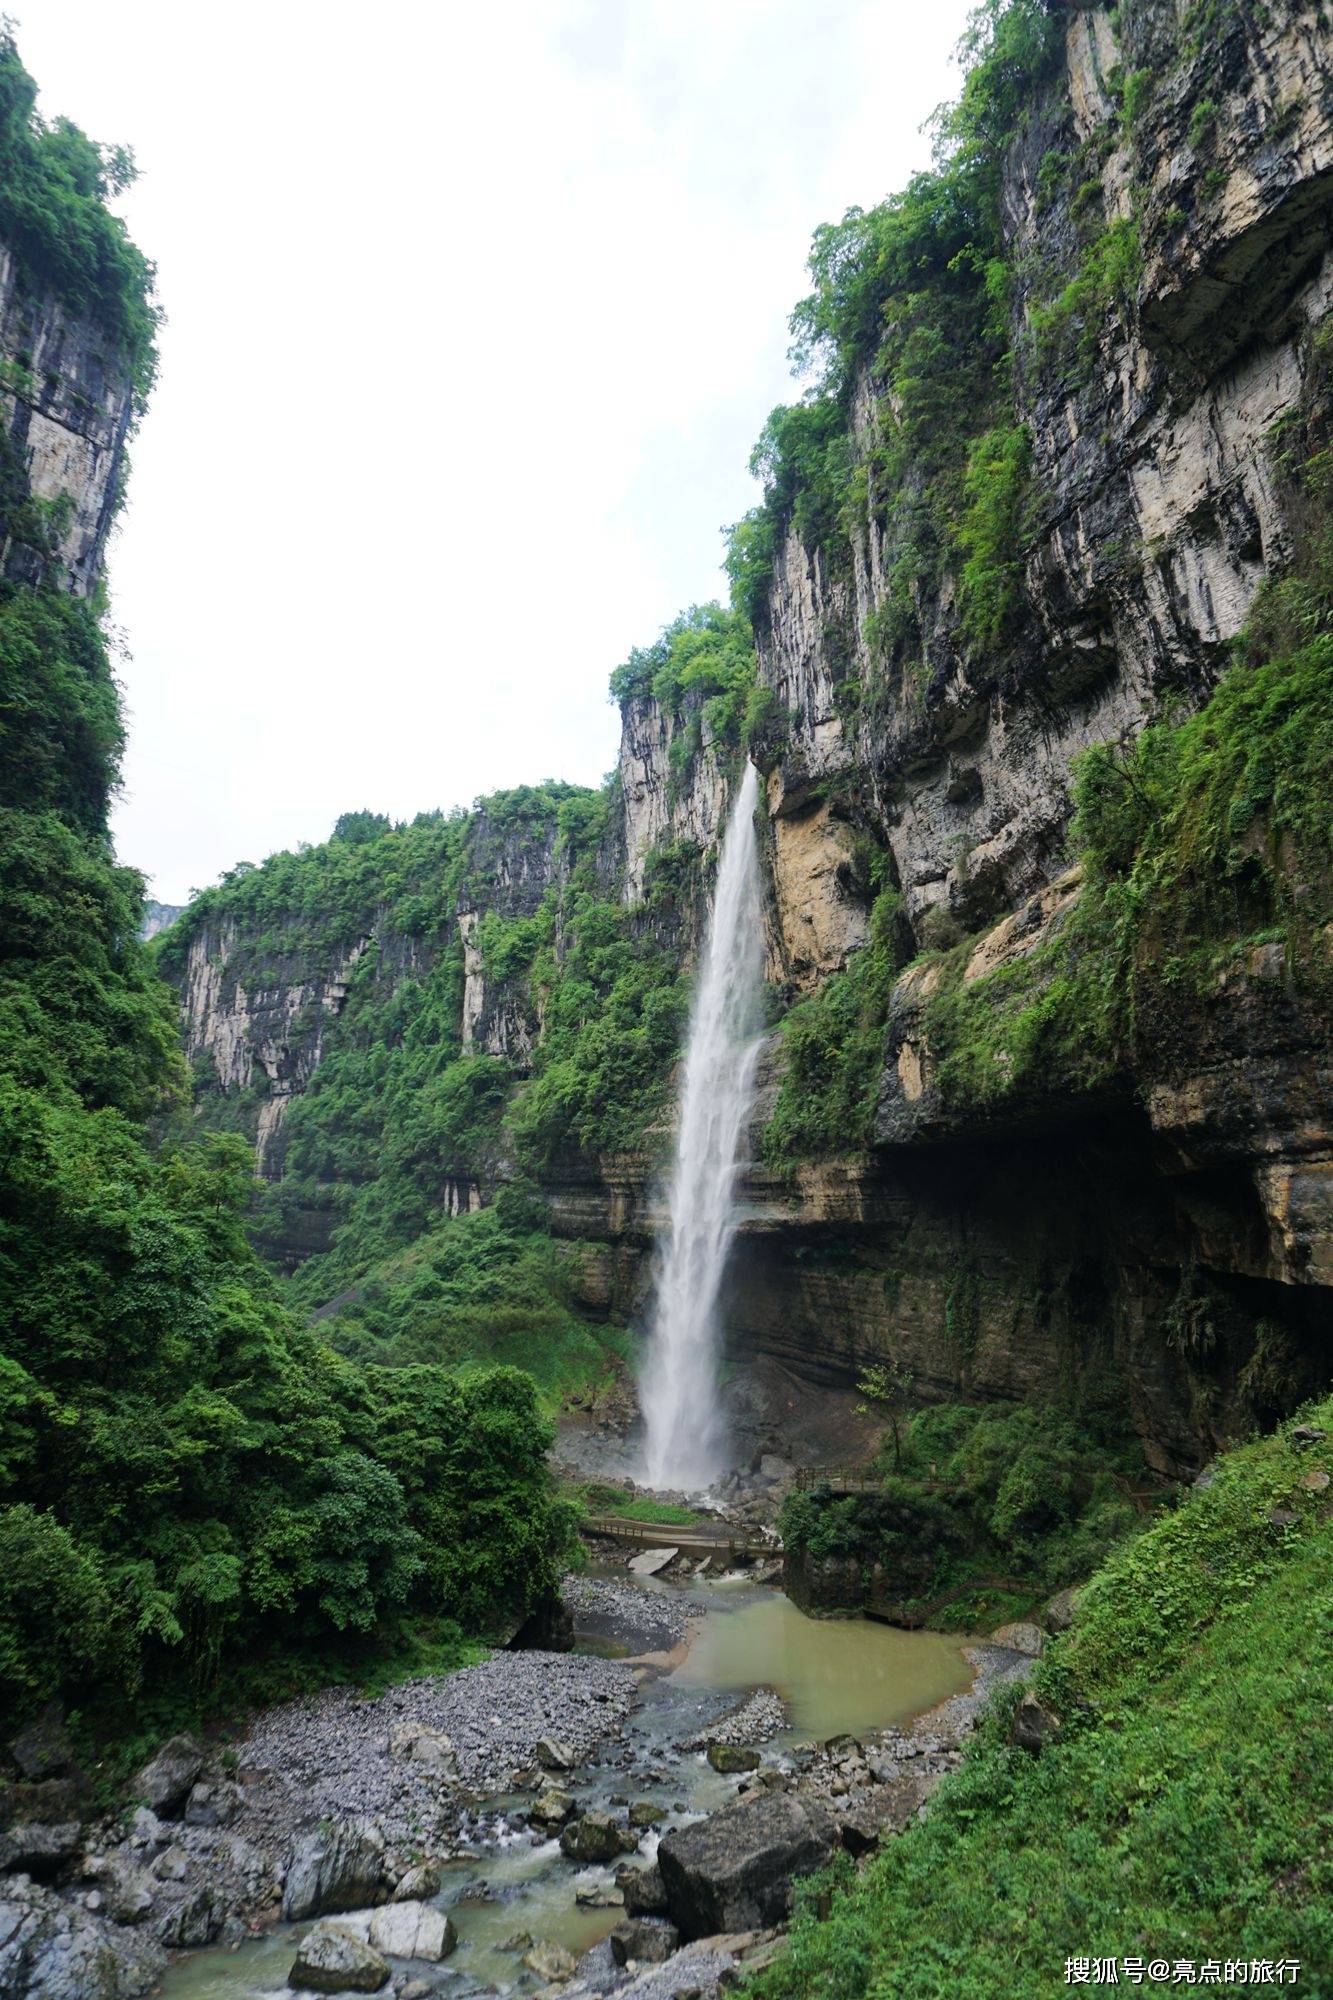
<point x="54" y="185"/>
<point x="833" y="1049"/>
<point x="400" y="1120"/>
<point x="197" y="1494"/>
<point x="701" y="671"/>
<point x="993" y="1506"/>
<point x="1183" y="1813"/>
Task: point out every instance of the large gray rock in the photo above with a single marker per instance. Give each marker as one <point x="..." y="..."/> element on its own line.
<point x="595" y="1837"/>
<point x="550" y="1961"/>
<point x="43" y="1749"/>
<point x="413" y="1930"/>
<point x="644" y="1891"/>
<point x="52" y="1950"/>
<point x="1034" y="1725"/>
<point x="730" y="1757"/>
<point x="165" y="1784"/>
<point x="332" y="1959"/>
<point x="194" y="1920"/>
<point x="39" y="1843"/>
<point x="733" y="1871"/>
<point x="338" y="1867"/>
<point x="430" y="1748"/>
<point x="648" y="1940"/>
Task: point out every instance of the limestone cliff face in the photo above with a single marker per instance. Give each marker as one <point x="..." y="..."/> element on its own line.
<point x="65" y="407"/>
<point x="259" y="1012"/>
<point x="1175" y="1226"/>
<point x="1160" y="512"/>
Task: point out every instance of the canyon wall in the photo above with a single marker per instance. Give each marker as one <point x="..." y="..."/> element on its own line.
<point x="1167" y="1229"/>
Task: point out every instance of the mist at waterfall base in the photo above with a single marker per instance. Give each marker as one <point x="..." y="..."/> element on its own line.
<point x="685" y="1431"/>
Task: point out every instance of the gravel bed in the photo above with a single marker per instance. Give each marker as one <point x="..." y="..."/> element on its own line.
<point x="759" y="1716"/>
<point x="642" y="1621"/>
<point x="328" y="1754"/>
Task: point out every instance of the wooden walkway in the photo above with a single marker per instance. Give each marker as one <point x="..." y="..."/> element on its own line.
<point x="691" y="1540"/>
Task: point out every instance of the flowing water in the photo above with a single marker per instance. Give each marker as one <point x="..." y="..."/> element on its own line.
<point x="685" y="1444"/>
<point x="834" y="1674"/>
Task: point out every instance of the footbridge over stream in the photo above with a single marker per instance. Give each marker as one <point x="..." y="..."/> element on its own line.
<point x="692" y="1539"/>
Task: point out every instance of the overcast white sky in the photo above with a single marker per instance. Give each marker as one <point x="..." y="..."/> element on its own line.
<point x="473" y="317"/>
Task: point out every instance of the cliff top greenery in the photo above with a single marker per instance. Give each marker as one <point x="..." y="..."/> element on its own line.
<point x="55" y="184"/>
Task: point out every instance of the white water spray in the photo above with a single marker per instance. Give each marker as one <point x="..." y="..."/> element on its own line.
<point x="685" y="1432"/>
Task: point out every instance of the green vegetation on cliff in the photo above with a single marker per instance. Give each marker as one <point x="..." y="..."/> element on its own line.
<point x="982" y="1509"/>
<point x="1182" y="1814"/>
<point x="54" y="186"/>
<point x="197" y="1495"/>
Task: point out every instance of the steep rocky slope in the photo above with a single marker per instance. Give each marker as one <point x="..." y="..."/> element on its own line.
<point x="1076" y="383"/>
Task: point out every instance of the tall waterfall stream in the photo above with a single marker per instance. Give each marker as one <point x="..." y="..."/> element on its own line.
<point x="685" y="1439"/>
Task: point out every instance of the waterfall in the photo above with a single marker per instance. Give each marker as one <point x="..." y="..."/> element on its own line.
<point x="685" y="1432"/>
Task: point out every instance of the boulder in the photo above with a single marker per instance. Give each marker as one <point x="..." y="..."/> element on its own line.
<point x="1059" y="1613"/>
<point x="595" y="1837"/>
<point x="43" y="1749"/>
<point x="333" y="1959"/>
<point x="553" y="1807"/>
<point x="647" y="1939"/>
<point x="127" y="1890"/>
<point x="419" y="1884"/>
<point x="1034" y="1725"/>
<point x="53" y="1950"/>
<point x="1020" y="1637"/>
<point x="195" y="1920"/>
<point x="166" y="1782"/>
<point x="550" y="1961"/>
<point x="733" y="1871"/>
<point x="644" y="1891"/>
<point x="649" y="1561"/>
<point x="555" y="1755"/>
<point x="213" y="1804"/>
<point x="591" y="1893"/>
<point x="338" y="1867"/>
<point x="413" y="1930"/>
<point x="35" y="1839"/>
<point x="732" y="1757"/>
<point x="643" y="1813"/>
<point x="430" y="1748"/>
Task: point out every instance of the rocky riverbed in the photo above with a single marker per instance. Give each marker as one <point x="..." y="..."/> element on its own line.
<point x="574" y="1821"/>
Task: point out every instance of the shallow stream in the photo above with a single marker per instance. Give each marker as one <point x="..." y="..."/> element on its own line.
<point x="834" y="1675"/>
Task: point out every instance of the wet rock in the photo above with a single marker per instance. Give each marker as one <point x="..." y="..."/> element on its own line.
<point x="555" y="1755"/>
<point x="338" y="1867"/>
<point x="592" y="1893"/>
<point x="553" y="1807"/>
<point x="333" y="1959"/>
<point x="594" y="1838"/>
<point x="734" y="1870"/>
<point x="1034" y="1725"/>
<point x="1307" y="1434"/>
<point x="43" y="1749"/>
<point x="647" y="1939"/>
<point x="728" y="1757"/>
<point x="53" y="1950"/>
<point x="644" y="1891"/>
<point x="550" y="1961"/>
<point x="643" y="1813"/>
<point x="165" y="1783"/>
<point x="413" y="1930"/>
<point x="419" y="1884"/>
